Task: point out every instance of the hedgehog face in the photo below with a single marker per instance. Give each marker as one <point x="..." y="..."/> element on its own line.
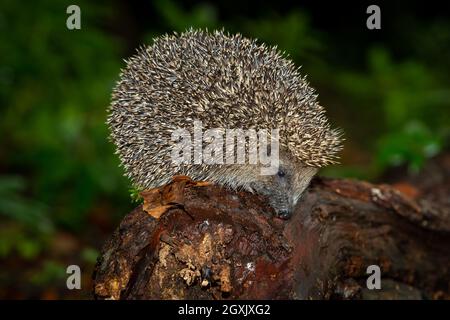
<point x="285" y="188"/>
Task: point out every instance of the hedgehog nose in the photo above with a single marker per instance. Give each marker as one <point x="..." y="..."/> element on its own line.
<point x="284" y="214"/>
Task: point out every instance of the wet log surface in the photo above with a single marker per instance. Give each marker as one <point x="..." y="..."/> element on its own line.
<point x="211" y="243"/>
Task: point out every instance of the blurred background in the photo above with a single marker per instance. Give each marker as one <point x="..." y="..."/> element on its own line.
<point x="61" y="190"/>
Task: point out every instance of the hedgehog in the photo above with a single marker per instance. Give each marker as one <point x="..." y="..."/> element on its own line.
<point x="225" y="81"/>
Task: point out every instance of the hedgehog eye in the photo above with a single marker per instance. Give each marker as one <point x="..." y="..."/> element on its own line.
<point x="281" y="173"/>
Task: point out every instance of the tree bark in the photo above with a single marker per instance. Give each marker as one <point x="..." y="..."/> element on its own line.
<point x="211" y="243"/>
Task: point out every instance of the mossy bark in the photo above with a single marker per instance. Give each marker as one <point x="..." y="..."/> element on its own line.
<point x="211" y="243"/>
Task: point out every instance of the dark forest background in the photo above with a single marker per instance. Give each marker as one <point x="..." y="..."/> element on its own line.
<point x="61" y="189"/>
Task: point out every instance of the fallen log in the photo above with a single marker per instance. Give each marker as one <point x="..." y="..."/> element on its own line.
<point x="200" y="241"/>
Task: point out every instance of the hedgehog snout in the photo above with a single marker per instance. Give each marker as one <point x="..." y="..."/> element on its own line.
<point x="282" y="205"/>
<point x="284" y="214"/>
